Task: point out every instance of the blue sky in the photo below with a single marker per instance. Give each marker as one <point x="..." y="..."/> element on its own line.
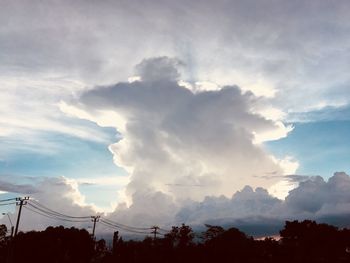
<point x="141" y="102"/>
<point x="74" y="158"/>
<point x="321" y="148"/>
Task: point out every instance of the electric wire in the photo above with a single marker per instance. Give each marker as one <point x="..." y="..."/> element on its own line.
<point x="6" y="200"/>
<point x="43" y="213"/>
<point x="126" y="226"/>
<point x="43" y="210"/>
<point x="127" y="230"/>
<point x="123" y="228"/>
<point x="55" y="212"/>
<point x="55" y="216"/>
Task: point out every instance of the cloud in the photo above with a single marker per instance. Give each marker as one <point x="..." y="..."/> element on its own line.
<point x="173" y="135"/>
<point x="57" y="193"/>
<point x="324" y="113"/>
<point x="256" y="210"/>
<point x="286" y="54"/>
<point x="292" y="60"/>
<point x="247" y="203"/>
<point x="177" y="138"/>
<point x="315" y="196"/>
<point x="252" y="210"/>
<point x="16" y="188"/>
<point x="148" y="208"/>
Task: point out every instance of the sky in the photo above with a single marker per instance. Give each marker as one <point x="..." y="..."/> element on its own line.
<point x="164" y="112"/>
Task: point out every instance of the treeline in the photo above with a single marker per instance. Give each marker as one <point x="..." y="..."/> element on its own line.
<point x="304" y="241"/>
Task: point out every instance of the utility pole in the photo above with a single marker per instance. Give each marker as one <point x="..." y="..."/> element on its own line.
<point x="20" y="202"/>
<point x="154" y="232"/>
<point x="94" y="219"/>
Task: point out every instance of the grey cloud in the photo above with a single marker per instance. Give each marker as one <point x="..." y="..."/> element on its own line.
<point x="17" y="188"/>
<point x="298" y="178"/>
<point x="158" y="69"/>
<point x="149" y="207"/>
<point x="320" y="197"/>
<point x="293" y="45"/>
<point x="244" y="204"/>
<point x="259" y="213"/>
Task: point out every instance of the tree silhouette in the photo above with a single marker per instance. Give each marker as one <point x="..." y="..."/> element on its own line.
<point x="55" y="244"/>
<point x="180" y="236"/>
<point x="312" y="242"/>
<point x="300" y="242"/>
<point x="211" y="233"/>
<point x="3" y="231"/>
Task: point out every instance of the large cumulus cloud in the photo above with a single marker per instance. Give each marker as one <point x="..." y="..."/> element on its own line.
<point x="182" y="141"/>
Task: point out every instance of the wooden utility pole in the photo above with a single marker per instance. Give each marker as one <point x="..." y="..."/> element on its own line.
<point x="20" y="202"/>
<point x="155" y="231"/>
<point x="94" y="219"/>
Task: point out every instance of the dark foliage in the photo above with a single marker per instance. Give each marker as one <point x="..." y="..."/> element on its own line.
<point x="54" y="245"/>
<point x="304" y="241"/>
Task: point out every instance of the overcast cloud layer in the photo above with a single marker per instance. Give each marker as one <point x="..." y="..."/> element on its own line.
<point x="268" y="46"/>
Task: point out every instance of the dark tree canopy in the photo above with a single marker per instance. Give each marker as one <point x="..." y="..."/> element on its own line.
<point x="300" y="242"/>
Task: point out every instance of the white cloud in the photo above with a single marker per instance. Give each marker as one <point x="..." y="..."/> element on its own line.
<point x="30" y="114"/>
<point x="59" y="194"/>
<point x="175" y="136"/>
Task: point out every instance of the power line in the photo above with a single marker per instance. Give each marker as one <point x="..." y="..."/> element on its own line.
<point x="46" y="212"/>
<point x="55" y="217"/>
<point x="6" y="200"/>
<point x="126" y="226"/>
<point x="127" y="230"/>
<point x="40" y="209"/>
<point x="55" y="212"/>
